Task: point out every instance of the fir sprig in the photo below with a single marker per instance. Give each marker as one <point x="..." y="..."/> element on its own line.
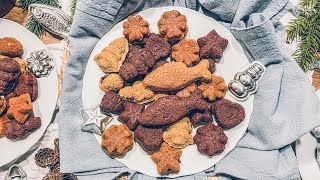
<point x="306" y="30"/>
<point x="33" y="25"/>
<point x="73" y="7"/>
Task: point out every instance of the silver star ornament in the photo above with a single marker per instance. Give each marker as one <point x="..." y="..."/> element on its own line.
<point x="93" y="120"/>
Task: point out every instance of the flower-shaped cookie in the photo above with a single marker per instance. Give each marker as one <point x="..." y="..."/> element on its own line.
<point x="27" y="84"/>
<point x="20" y="108"/>
<point x="130" y="115"/>
<point x="3" y="104"/>
<point x="111" y="82"/>
<point x="186" y="51"/>
<point x="135" y="29"/>
<point x="10" y="71"/>
<point x="112" y="103"/>
<point x="210" y="139"/>
<point x="173" y="25"/>
<point x="137" y="93"/>
<point x="158" y="46"/>
<point x="212" y="45"/>
<point x="167" y="159"/>
<point x="179" y="135"/>
<point x="215" y="89"/>
<point x="40" y="63"/>
<point x="10" y="47"/>
<point x="117" y="140"/>
<point x="111" y="57"/>
<point x="228" y="114"/>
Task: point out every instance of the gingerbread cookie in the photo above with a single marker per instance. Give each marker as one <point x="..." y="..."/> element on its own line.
<point x="199" y="118"/>
<point x="112" y="103"/>
<point x="186" y="51"/>
<point x="228" y="114"/>
<point x="9" y="73"/>
<point x="167" y="159"/>
<point x="111" y="57"/>
<point x="212" y="45"/>
<point x="187" y="91"/>
<point x="117" y="140"/>
<point x="20" y="108"/>
<point x="150" y="139"/>
<point x="179" y="135"/>
<point x="210" y="139"/>
<point x="3" y="120"/>
<point x="111" y="82"/>
<point x="10" y="47"/>
<point x="170" y="109"/>
<point x="135" y="29"/>
<point x="173" y="25"/>
<point x="176" y="75"/>
<point x="215" y="89"/>
<point x="3" y="104"/>
<point x="130" y="114"/>
<point x="158" y="46"/>
<point x="16" y="130"/>
<point x="137" y="93"/>
<point x="27" y="84"/>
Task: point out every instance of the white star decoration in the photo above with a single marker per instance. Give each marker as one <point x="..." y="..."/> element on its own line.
<point x="93" y="120"/>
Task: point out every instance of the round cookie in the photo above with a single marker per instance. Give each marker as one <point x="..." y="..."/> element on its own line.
<point x="10" y="47"/>
<point x="228" y="114"/>
<point x="111" y="82"/>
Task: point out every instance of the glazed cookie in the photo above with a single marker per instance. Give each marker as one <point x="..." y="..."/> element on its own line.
<point x="187" y="91"/>
<point x="170" y="109"/>
<point x="112" y="103"/>
<point x="228" y="114"/>
<point x="199" y="118"/>
<point x="111" y="57"/>
<point x="130" y="114"/>
<point x="3" y="104"/>
<point x="159" y="47"/>
<point x="179" y="135"/>
<point x="9" y="73"/>
<point x="10" y="47"/>
<point x="167" y="159"/>
<point x="111" y="82"/>
<point x="215" y="89"/>
<point x="117" y="140"/>
<point x="16" y="130"/>
<point x="150" y="139"/>
<point x="210" y="139"/>
<point x="176" y="75"/>
<point x="20" y="108"/>
<point x="135" y="29"/>
<point x="173" y="25"/>
<point x="212" y="45"/>
<point x="186" y="51"/>
<point x="137" y="93"/>
<point x="27" y="84"/>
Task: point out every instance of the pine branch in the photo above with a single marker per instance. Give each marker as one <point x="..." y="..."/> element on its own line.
<point x="73" y="7"/>
<point x="34" y="26"/>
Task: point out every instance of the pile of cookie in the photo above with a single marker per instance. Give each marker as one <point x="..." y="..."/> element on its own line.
<point x="18" y="89"/>
<point x="159" y="102"/>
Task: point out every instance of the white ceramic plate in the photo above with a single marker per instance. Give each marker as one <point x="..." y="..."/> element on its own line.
<point x="43" y="107"/>
<point x="232" y="62"/>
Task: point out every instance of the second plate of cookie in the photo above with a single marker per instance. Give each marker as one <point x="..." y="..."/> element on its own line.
<point x="163" y="77"/>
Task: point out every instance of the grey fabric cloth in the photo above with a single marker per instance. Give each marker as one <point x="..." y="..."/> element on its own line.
<point x="285" y="106"/>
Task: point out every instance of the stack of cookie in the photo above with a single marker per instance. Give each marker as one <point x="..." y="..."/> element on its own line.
<point x="160" y="101"/>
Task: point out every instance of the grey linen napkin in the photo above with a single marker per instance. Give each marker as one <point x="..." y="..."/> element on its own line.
<point x="285" y="106"/>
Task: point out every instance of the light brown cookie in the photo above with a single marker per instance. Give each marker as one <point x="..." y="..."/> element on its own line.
<point x="117" y="140"/>
<point x="215" y="89"/>
<point x="111" y="82"/>
<point x="187" y="91"/>
<point x="111" y="57"/>
<point x="3" y="120"/>
<point x="176" y="75"/>
<point x="167" y="159"/>
<point x="186" y="51"/>
<point x="135" y="29"/>
<point x="137" y="93"/>
<point x="20" y="108"/>
<point x="179" y="135"/>
<point x="173" y="25"/>
<point x="10" y="47"/>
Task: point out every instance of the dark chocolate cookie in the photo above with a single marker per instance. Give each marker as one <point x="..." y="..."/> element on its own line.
<point x="112" y="103"/>
<point x="199" y="118"/>
<point x="210" y="139"/>
<point x="9" y="73"/>
<point x="228" y="114"/>
<point x="27" y="84"/>
<point x="212" y="66"/>
<point x="150" y="139"/>
<point x="130" y="115"/>
<point x="16" y="130"/>
<point x="212" y="45"/>
<point x="158" y="46"/>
